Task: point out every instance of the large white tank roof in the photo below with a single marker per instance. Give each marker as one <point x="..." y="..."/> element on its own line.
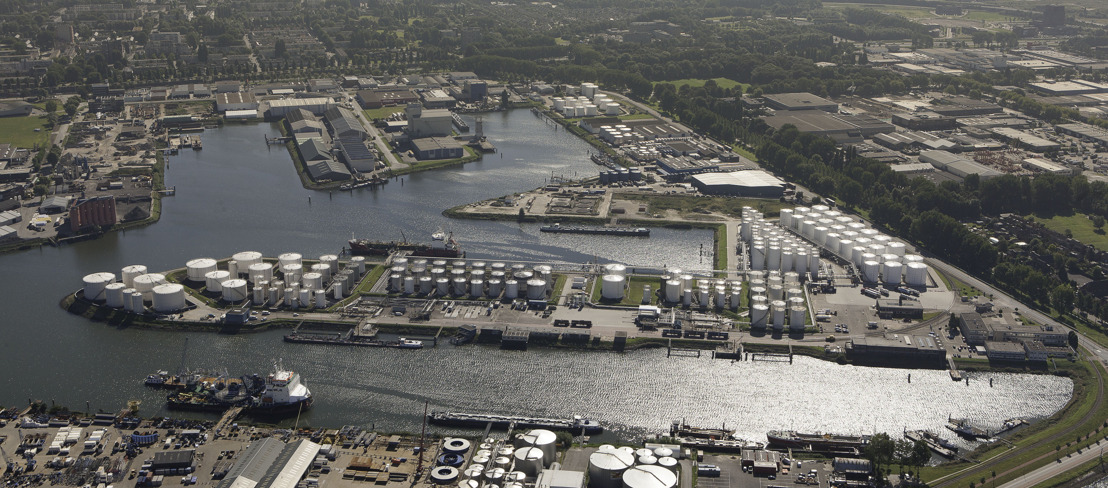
<point x="649" y="476"/>
<point x="612" y="460"/>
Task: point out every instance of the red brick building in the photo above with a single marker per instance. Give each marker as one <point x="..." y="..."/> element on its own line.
<point x="97" y="211"/>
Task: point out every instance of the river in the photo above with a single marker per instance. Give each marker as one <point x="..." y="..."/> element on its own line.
<point x="238" y="194"/>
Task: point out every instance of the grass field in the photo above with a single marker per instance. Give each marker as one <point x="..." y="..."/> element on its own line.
<point x="1080" y="225"/>
<point x="636" y="116"/>
<point x="20" y="131"/>
<point x="698" y="82"/>
<point x="746" y="153"/>
<point x="380" y="113"/>
<point x="986" y="16"/>
<point x="957" y="286"/>
<point x="909" y="12"/>
<point x="634" y="291"/>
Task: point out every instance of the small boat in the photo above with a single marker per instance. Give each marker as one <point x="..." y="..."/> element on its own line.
<point x="410" y="344"/>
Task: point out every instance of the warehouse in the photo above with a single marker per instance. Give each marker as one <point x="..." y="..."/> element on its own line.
<point x="839" y="127"/>
<point x="270" y="463"/>
<point x="752" y="183"/>
<point x="899" y="308"/>
<point x="1024" y="139"/>
<point x="1064" y="88"/>
<point x="956" y="165"/>
<point x="1085" y="132"/>
<point x="437" y="148"/>
<point x="800" y="101"/>
<point x="896" y="347"/>
<point x="924" y="121"/>
<point x="235" y="101"/>
<point x="343" y="123"/>
<point x="965" y="106"/>
<point x="279" y="108"/>
<point x="327" y="170"/>
<point x="1040" y="165"/>
<point x="1005" y="351"/>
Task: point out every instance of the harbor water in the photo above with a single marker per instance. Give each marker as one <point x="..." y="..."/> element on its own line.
<point x="239" y="194"/>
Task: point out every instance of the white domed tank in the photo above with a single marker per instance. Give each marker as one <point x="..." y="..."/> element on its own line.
<point x="808" y="228"/>
<point x="536" y="289"/>
<point x="647" y="460"/>
<point x="673" y="291"/>
<point x="395" y="282"/>
<point x="419" y="266"/>
<point x="895" y="248"/>
<point x="495" y="475"/>
<point x="400" y="262"/>
<point x="845" y="246"/>
<point x="778" y="307"/>
<point x="496" y="287"/>
<point x="130" y="272"/>
<point x="312" y="281"/>
<point x="476" y="472"/>
<point x="127" y="292"/>
<point x="773" y="258"/>
<point x="891" y="272"/>
<point x="455" y="445"/>
<point x="259" y="291"/>
<point x="460" y="286"/>
<point x="197" y="268"/>
<point x="832" y="241"/>
<point x="856" y="256"/>
<point x="113" y="294"/>
<point x="606" y="468"/>
<point x="145" y="283"/>
<point x="649" y="476"/>
<point x="523" y="276"/>
<point x="613" y="286"/>
<point x="442" y="286"/>
<point x="615" y="269"/>
<point x="796" y="317"/>
<point x="794" y="293"/>
<point x="234" y="290"/>
<point x="476" y="287"/>
<point x="275" y="295"/>
<point x="502" y="462"/>
<point x="800" y="264"/>
<point x="169" y="297"/>
<point x="788" y="259"/>
<point x="686" y="297"/>
<point x="820" y="235"/>
<point x="95" y="284"/>
<point x="213" y="280"/>
<point x="246" y="258"/>
<point x="324" y="270"/>
<point x="292" y="271"/>
<point x="813" y="264"/>
<point x="913" y="258"/>
<point x="290" y="258"/>
<point x="320" y="298"/>
<point x="884" y="258"/>
<point x="545" y="440"/>
<point x="668" y="463"/>
<point x="437" y="273"/>
<point x="260" y="272"/>
<point x="870" y="271"/>
<point x="233" y="268"/>
<point x="426" y="284"/>
<point x="916" y="274"/>
<point x="137" y="305"/>
<point x="529" y="460"/>
<point x="442" y="475"/>
<point x="758" y="315"/>
<point x="358" y="263"/>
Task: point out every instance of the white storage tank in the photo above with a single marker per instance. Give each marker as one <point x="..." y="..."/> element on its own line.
<point x="870" y="270"/>
<point x="776" y="292"/>
<point x="895" y="248"/>
<point x="96" y="282"/>
<point x="668" y="463"/>
<point x="312" y="281"/>
<point x="113" y="294"/>
<point x="813" y="264"/>
<point x="130" y="272"/>
<point x="396" y="281"/>
<point x="234" y="290"/>
<point x="136" y="303"/>
<point x="259" y="292"/>
<point x="126" y="298"/>
<point x="292" y="297"/>
<point x="796" y="317"/>
<point x="759" y="313"/>
<point x="246" y="258"/>
<point x="845" y="247"/>
<point x="358" y="263"/>
<point x="292" y="271"/>
<point x="673" y="291"/>
<point x="916" y="274"/>
<point x="460" y="286"/>
<point x="213" y="280"/>
<point x="476" y="288"/>
<point x="337" y="290"/>
<point x="613" y="286"/>
<point x="614" y="269"/>
<point x="536" y="289"/>
<point x="891" y="271"/>
<point x="169" y="297"/>
<point x="442" y="475"/>
<point x="426" y="284"/>
<point x="324" y="271"/>
<point x="260" y="272"/>
<point x="529" y="460"/>
<point x="197" y="268"/>
<point x="320" y="298"/>
<point x="757" y="257"/>
<point x="442" y="286"/>
<point x="648" y="475"/>
<point x="145" y="283"/>
<point x="778" y="307"/>
<point x="606" y="468"/>
<point x="913" y="258"/>
<point x="290" y="258"/>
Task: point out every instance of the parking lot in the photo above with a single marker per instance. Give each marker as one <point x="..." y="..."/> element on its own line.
<point x="732" y="475"/>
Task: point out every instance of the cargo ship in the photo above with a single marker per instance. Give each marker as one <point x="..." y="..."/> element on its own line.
<point x="611" y="231"/>
<point x="817" y="441"/>
<point x="348" y="340"/>
<point x="937" y="444"/>
<point x="442" y="245"/>
<point x="280" y="392"/>
<point x="680" y="429"/>
<point x="575" y="424"/>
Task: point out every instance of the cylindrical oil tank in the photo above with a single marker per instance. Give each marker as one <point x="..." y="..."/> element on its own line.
<point x="800" y="264"/>
<point x="233" y="268"/>
<point x="95" y="283"/>
<point x="260" y="272"/>
<point x="745" y="232"/>
<point x="113" y="294"/>
<point x="736" y="299"/>
<point x="437" y="273"/>
<point x="813" y="264"/>
<point x="196" y="269"/>
<point x="869" y="256"/>
<point x="495" y="476"/>
<point x="496" y="287"/>
<point x="338" y="290"/>
<point x="396" y="281"/>
<point x="442" y="475"/>
<point x="757" y="257"/>
<point x="511" y="289"/>
<point x="409" y="285"/>
<point x="808" y="228"/>
<point x="776" y="292"/>
<point x="127" y="292"/>
<point x="794" y="293"/>
<point x="442" y="286"/>
<point x="832" y="242"/>
<point x="786" y="218"/>
<point x="758" y="315"/>
<point x="884" y="258"/>
<point x="358" y="263"/>
<point x="787" y="259"/>
<point x="536" y="289"/>
<point x="324" y="271"/>
<point x="529" y="460"/>
<point x="795" y="302"/>
<point x="476" y="287"/>
<point x="612" y="287"/>
<point x="796" y="317"/>
<point x="292" y="297"/>
<point x="891" y="272"/>
<point x="673" y="291"/>
<point x="476" y="472"/>
<point x="213" y="280"/>
<point x="778" y="307"/>
<point x="702" y="296"/>
<point x="916" y="274"/>
<point x="647" y="460"/>
<point x="136" y="303"/>
<point x="895" y="248"/>
<point x="130" y="272"/>
<point x="460" y="286"/>
<point x="668" y="463"/>
<point x="759" y="299"/>
<point x="913" y="258"/>
<point x="819" y="235"/>
<point x="791" y="277"/>
<point x="234" y="290"/>
<point x="169" y="297"/>
<point x="455" y="445"/>
<point x="418" y="266"/>
<point x="290" y="258"/>
<point x="649" y="476"/>
<point x="606" y="468"/>
<point x="845" y="247"/>
<point x="856" y="255"/>
<point x="523" y="276"/>
<point x="246" y="258"/>
<point x="426" y="284"/>
<point x="292" y="271"/>
<point x="259" y="292"/>
<point x="274" y="295"/>
<point x="870" y="271"/>
<point x="145" y="283"/>
<point x="615" y="269"/>
<point x="320" y="298"/>
<point x="773" y="258"/>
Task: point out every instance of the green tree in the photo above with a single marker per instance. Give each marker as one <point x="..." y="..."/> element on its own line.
<point x="1062" y="297"/>
<point x="279" y="49"/>
<point x="881" y="450"/>
<point x="52" y="106"/>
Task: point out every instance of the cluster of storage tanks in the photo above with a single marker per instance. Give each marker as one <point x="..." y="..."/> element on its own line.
<point x="680" y="288"/>
<point x="496" y="465"/>
<point x="288" y="279"/>
<point x="477" y="279"/>
<point x="776" y="300"/>
<point x="618" y="135"/>
<point x="625" y="467"/>
<point x="590" y="103"/>
<point x="774" y="249"/>
<point x="617" y="176"/>
<point x="878" y="257"/>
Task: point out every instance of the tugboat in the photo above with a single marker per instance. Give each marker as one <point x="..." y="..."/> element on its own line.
<point x="281" y="392"/>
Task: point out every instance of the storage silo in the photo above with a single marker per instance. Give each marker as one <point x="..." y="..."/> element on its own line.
<point x="800" y="264"/>
<point x="796" y="317"/>
<point x="130" y="272"/>
<point x="358" y="263"/>
<point x="612" y="287"/>
<point x="668" y="463"/>
<point x="529" y="460"/>
<point x="259" y="292"/>
<point x="778" y="310"/>
<point x="320" y="298"/>
<point x="649" y="476"/>
<point x="758" y="315"/>
<point x="913" y="258"/>
<point x="606" y="468"/>
<point x="845" y="247"/>
<point x="757" y="257"/>
<point x="409" y="285"/>
<point x="96" y="282"/>
<point x="460" y="286"/>
<point x="916" y="274"/>
<point x="891" y="272"/>
<point x="292" y="271"/>
<point x="396" y="281"/>
<point x="813" y="264"/>
<point x="196" y="269"/>
<point x="832" y="242"/>
<point x="337" y="290"/>
<point x="145" y="283"/>
<point x="511" y="289"/>
<point x="614" y="269"/>
<point x="324" y="271"/>
<point x="233" y="268"/>
<point x="476" y="287"/>
<point x="290" y="258"/>
<point x="426" y="284"/>
<point x="442" y="286"/>
<point x="213" y="280"/>
<point x="536" y="289"/>
<point x="870" y="271"/>
<point x="788" y="259"/>
<point x="776" y="292"/>
<point x="113" y="294"/>
<point x="169" y="297"/>
<point x="234" y="290"/>
<point x="786" y="217"/>
<point x="246" y="258"/>
<point x="127" y="292"/>
<point x="137" y="305"/>
<point x="260" y="272"/>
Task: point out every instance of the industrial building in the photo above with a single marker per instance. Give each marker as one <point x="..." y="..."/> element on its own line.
<point x="965" y="106"/>
<point x="8" y="234"/>
<point x="800" y="101"/>
<point x="319" y="163"/>
<point x="761" y="462"/>
<point x="896" y="347"/>
<point x="751" y="183"/>
<point x="428" y="123"/>
<point x="842" y="128"/>
<point x="956" y="165"/>
<point x="428" y="148"/>
<point x="899" y="308"/>
<point x="1024" y="139"/>
<point x="977" y="331"/>
<point x="279" y="108"/>
<point x="1005" y="351"/>
<point x="1040" y="165"/>
<point x="235" y="101"/>
<point x="355" y="153"/>
<point x="343" y="123"/>
<point x="1084" y="131"/>
<point x="270" y="463"/>
<point x="370" y="99"/>
<point x="924" y="121"/>
<point x="96" y="211"/>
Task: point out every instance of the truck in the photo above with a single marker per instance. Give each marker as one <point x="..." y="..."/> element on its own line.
<point x="871" y="292"/>
<point x="823" y="318"/>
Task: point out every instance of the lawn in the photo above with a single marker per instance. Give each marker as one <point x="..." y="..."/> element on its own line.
<point x="633" y="296"/>
<point x="986" y="16"/>
<point x="1081" y="227"/>
<point x="20" y="131"/>
<point x="744" y="152"/>
<point x="699" y="82"/>
<point x="380" y="113"/>
<point x="909" y="12"/>
<point x="957" y="286"/>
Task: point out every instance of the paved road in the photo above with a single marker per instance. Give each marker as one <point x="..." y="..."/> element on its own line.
<point x="1052" y="470"/>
